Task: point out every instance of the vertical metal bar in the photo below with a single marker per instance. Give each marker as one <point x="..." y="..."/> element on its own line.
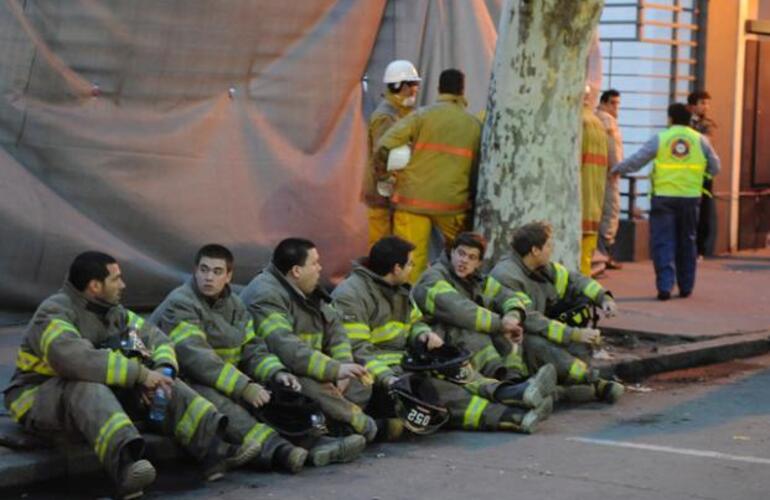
<point x="674" y="52"/>
<point x="700" y="53"/>
<point x="631" y="198"/>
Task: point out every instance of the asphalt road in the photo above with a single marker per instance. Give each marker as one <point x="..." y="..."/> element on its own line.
<point x="698" y="434"/>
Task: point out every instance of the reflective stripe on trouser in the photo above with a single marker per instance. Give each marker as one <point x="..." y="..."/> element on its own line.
<point x="415" y="228"/>
<point x="485" y="357"/>
<point x="87" y="409"/>
<point x="380" y="223"/>
<point x="242" y="425"/>
<point x="345" y="408"/>
<point x="570" y="361"/>
<point x="587" y="246"/>
<point x="673" y="230"/>
<point x="467" y="411"/>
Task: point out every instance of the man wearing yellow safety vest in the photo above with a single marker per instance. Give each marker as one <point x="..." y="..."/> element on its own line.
<point x="86" y="363"/>
<point x="399" y="100"/>
<point x="435" y="188"/>
<point x="682" y="157"/>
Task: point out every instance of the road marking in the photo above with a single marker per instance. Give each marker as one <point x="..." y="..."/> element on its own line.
<point x="669" y="449"/>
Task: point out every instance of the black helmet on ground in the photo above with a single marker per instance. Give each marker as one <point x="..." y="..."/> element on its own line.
<point x="416" y="404"/>
<point x="291" y="413"/>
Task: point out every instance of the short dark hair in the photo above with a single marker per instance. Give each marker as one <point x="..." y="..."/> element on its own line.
<point x="89" y="266"/>
<point x="679" y="114"/>
<point x="215" y="251"/>
<point x="470" y="239"/>
<point x="388" y="252"/>
<point x="607" y="95"/>
<point x="696" y="96"/>
<point x="451" y="81"/>
<point x="291" y="252"/>
<point x="531" y="235"/>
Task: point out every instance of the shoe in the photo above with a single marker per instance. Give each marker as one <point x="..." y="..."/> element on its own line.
<point x="614" y="265"/>
<point x="609" y="391"/>
<point x="336" y="450"/>
<point x="370" y="430"/>
<point x="530" y="393"/>
<point x="134" y="478"/>
<point x="684" y="295"/>
<point x="545" y="409"/>
<point x="664" y="295"/>
<point x="223" y="457"/>
<point x="520" y="420"/>
<point x="294" y="460"/>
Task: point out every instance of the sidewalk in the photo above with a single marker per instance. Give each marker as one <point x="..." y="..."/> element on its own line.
<point x="728" y="316"/>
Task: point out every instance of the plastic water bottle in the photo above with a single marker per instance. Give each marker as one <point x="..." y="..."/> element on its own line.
<point x="160" y="401"/>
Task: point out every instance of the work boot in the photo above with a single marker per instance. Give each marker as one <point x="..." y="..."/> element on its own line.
<point x="370" y="430"/>
<point x="291" y="458"/>
<point x="330" y="450"/>
<point x="520" y="420"/>
<point x="224" y="456"/>
<point x="389" y="429"/>
<point x="531" y="392"/>
<point x="608" y="390"/>
<point x="578" y="393"/>
<point x="134" y="477"/>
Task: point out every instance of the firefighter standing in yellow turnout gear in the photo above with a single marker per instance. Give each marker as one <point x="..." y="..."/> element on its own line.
<point x="450" y="295"/>
<point x="295" y="318"/>
<point x="77" y="373"/>
<point x="224" y="360"/>
<point x="435" y="188"/>
<point x="593" y="181"/>
<point x="382" y="322"/>
<point x="399" y="100"/>
<point x="542" y="286"/>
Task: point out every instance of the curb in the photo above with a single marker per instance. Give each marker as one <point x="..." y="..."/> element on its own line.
<point x="635" y="367"/>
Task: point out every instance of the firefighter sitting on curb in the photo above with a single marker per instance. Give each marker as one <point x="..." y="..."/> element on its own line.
<point x="383" y="324"/>
<point x="450" y="295"/>
<point x="223" y="359"/>
<point x="295" y="318"/>
<point x="549" y="291"/>
<point x="86" y="363"/>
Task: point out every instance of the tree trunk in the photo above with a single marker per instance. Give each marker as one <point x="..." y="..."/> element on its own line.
<point x="529" y="168"/>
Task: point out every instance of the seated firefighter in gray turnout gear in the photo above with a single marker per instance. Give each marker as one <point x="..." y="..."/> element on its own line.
<point x="293" y="315"/>
<point x="384" y="325"/>
<point x="223" y="359"/>
<point x="89" y="367"/>
<point x="556" y="301"/>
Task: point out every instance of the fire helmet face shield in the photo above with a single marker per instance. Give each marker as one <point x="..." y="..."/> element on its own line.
<point x="416" y="404"/>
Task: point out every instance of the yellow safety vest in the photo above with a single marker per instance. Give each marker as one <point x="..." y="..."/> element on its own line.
<point x="680" y="164"/>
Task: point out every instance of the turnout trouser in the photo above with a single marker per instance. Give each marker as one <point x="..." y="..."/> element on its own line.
<point x="673" y="227"/>
<point x="380" y="223"/>
<point x="415" y="228"/>
<point x="242" y="426"/>
<point x="338" y="406"/>
<point x="95" y="412"/>
<point x="571" y="360"/>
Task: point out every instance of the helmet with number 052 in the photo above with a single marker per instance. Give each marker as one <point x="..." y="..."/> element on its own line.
<point x="417" y="404"/>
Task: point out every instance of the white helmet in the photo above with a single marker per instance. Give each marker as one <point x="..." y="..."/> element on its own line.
<point x="401" y="70"/>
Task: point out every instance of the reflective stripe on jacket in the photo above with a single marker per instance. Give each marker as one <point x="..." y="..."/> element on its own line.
<point x="215" y="342"/>
<point x="379" y="318"/>
<point x="445" y="141"/>
<point x="543" y="288"/>
<point x="304" y="332"/>
<point x="680" y="163"/>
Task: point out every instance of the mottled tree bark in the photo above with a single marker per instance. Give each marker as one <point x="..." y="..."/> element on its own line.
<point x="530" y="148"/>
